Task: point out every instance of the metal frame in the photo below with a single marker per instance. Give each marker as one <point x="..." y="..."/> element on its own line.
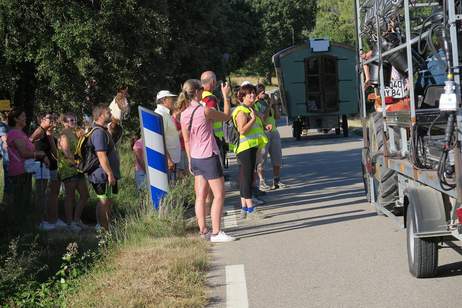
<point x="407" y="120"/>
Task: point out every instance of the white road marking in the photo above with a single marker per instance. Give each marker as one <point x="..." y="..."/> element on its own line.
<point x="236" y="288"/>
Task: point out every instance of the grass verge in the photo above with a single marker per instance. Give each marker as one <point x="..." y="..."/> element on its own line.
<point x="147" y="259"/>
<point x="166" y="272"/>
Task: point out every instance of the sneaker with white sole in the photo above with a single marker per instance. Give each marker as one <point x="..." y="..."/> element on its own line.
<point x="264" y="186"/>
<point x="46" y="226"/>
<point x="205" y="236"/>
<point x="221" y="237"/>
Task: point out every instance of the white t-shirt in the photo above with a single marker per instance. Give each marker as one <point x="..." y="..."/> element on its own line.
<point x="172" y="137"/>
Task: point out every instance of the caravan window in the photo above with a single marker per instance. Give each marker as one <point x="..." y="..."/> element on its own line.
<point x="321" y="84"/>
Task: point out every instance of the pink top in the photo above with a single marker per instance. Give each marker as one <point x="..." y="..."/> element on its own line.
<point x="16" y="164"/>
<point x="202" y="143"/>
<point x="138" y="149"/>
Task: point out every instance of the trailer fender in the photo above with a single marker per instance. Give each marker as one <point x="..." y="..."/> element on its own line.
<point x="427" y="207"/>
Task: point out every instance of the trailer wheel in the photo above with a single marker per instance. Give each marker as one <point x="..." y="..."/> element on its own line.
<point x="422" y="253"/>
<point x="387" y="179"/>
<point x="366" y="183"/>
<point x="345" y="125"/>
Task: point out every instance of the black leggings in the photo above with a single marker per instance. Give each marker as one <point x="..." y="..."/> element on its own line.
<point x="247" y="159"/>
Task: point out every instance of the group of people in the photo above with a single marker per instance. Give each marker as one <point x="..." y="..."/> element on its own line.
<point x="195" y="143"/>
<point x="48" y="156"/>
<point x="193" y="128"/>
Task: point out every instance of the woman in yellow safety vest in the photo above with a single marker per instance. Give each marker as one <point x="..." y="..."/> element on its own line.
<point x="252" y="137"/>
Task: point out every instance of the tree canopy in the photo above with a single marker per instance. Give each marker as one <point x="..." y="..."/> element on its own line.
<point x="335" y="20"/>
<point x="69" y="54"/>
<point x="281" y="24"/>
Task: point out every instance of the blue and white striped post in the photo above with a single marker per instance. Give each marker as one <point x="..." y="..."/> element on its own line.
<point x="152" y="131"/>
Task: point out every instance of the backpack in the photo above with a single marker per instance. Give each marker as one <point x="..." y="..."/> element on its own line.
<point x="85" y="155"/>
<point x="231" y="135"/>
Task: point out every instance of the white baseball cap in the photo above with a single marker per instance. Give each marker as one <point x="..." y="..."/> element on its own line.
<point x="164" y="93"/>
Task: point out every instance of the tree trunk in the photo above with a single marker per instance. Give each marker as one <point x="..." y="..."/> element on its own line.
<point x="25" y="94"/>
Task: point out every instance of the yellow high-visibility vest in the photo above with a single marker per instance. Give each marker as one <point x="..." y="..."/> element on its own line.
<point x="255" y="137"/>
<point x="217" y="125"/>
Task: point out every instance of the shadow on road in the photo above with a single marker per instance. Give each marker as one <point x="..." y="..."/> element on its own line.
<point x="304" y="225"/>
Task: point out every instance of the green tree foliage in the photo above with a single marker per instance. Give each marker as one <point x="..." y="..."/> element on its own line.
<point x="65" y="55"/>
<point x="335" y="20"/>
<point x="281" y="23"/>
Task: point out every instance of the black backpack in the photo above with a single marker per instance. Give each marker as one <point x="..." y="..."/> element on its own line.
<point x="85" y="155"/>
<point x="231" y="135"/>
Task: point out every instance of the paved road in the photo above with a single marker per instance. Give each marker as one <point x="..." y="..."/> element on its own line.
<point x="323" y="245"/>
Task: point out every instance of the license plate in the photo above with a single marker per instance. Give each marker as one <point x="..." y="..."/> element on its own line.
<point x="396" y="89"/>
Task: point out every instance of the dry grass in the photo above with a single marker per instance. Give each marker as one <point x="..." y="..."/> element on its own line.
<point x="237" y="80"/>
<point x="163" y="272"/>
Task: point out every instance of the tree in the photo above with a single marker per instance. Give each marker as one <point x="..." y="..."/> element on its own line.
<point x="335" y="20"/>
<point x="282" y="23"/>
<point x="65" y="55"/>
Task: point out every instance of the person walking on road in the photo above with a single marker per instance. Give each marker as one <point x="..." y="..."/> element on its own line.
<point x="104" y="178"/>
<point x="165" y="105"/>
<point x="251" y="139"/>
<point x="203" y="155"/>
<point x="269" y="114"/>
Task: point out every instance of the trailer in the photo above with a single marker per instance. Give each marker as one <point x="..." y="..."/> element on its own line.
<point x="409" y="67"/>
<point x="315" y="81"/>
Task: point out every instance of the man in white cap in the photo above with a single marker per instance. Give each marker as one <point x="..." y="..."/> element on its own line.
<point x="165" y="105"/>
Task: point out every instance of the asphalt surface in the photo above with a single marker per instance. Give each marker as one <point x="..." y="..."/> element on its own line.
<point x="322" y="244"/>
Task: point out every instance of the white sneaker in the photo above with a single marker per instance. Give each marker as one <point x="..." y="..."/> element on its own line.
<point x="74" y="227"/>
<point x="46" y="226"/>
<point x="264" y="186"/>
<point x="205" y="236"/>
<point x="257" y="201"/>
<point x="221" y="237"/>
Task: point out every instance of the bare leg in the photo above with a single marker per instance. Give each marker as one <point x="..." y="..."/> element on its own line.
<point x="69" y="200"/>
<point x="104" y="212"/>
<point x="41" y="198"/>
<point x="82" y="188"/>
<point x="53" y="201"/>
<point x="201" y="188"/>
<point x="276" y="171"/>
<point x="218" y="188"/>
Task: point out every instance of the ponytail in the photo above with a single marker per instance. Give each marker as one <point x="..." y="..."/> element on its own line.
<point x="182" y="102"/>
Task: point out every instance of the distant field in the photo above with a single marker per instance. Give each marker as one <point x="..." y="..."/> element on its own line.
<point x="237" y="80"/>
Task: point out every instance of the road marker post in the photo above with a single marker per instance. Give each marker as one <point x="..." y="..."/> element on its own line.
<point x="152" y="132"/>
